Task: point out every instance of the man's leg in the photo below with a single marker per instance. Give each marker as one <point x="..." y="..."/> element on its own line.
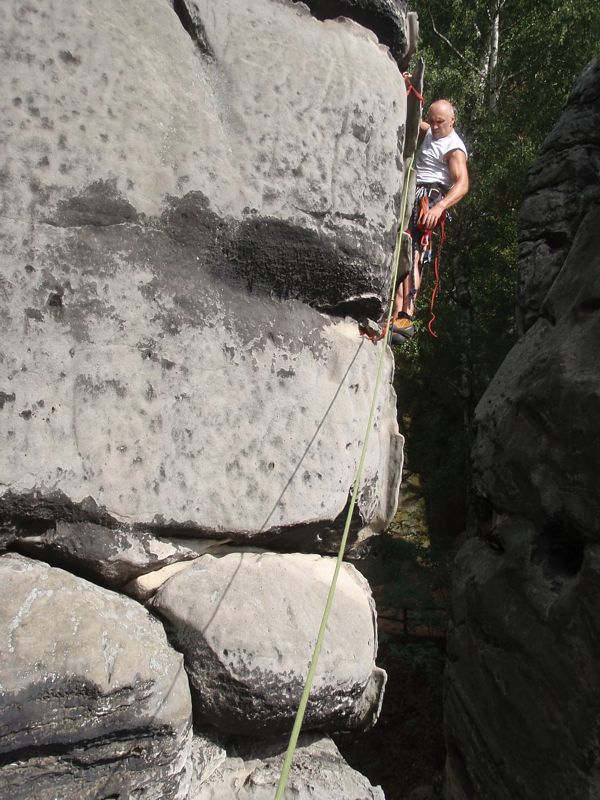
<point x="404" y="303"/>
<point x="410" y="287"/>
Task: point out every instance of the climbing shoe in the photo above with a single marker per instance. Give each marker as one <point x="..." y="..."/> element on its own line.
<point x="402" y="328"/>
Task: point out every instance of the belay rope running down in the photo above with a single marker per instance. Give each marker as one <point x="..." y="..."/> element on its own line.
<point x="283" y="779"/>
<point x="425" y="197"/>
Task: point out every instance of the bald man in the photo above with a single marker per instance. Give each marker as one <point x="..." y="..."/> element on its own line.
<point x="442" y="177"/>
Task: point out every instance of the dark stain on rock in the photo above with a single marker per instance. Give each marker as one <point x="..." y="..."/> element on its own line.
<point x="361" y="132"/>
<point x="6" y="398"/>
<point x="68" y="58"/>
<point x="26" y="414"/>
<point x="277" y="258"/>
<point x="190" y="220"/>
<point x="95" y="388"/>
<point x="35" y="510"/>
<point x="560" y="551"/>
<point x="99" y="204"/>
<point x="55" y="299"/>
<point x="34" y="313"/>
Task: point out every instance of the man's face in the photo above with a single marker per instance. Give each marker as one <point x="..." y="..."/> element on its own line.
<point x="441" y="120"/>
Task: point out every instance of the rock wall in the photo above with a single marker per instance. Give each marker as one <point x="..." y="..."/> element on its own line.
<point x="199" y="200"/>
<point x="523" y="680"/>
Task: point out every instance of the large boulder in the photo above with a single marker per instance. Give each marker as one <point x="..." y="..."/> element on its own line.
<point x="318" y="773"/>
<point x="180" y="193"/>
<point x="93" y="700"/>
<point x="246" y="624"/>
<point x="523" y="679"/>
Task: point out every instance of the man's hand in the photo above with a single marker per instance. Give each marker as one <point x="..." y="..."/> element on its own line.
<point x="433" y="216"/>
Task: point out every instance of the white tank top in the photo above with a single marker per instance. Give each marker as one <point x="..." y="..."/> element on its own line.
<point x="431" y="167"/>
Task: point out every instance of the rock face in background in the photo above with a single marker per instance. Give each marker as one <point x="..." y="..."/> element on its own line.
<point x="563" y="185"/>
<point x="199" y="200"/>
<point x="523" y="679"/>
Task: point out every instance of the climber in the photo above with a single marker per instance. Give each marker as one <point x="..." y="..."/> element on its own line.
<point x="442" y="181"/>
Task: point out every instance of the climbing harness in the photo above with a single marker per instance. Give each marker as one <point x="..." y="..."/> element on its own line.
<point x="293" y="741"/>
<point x="423" y="242"/>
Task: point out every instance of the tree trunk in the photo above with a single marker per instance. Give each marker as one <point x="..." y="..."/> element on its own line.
<point x="493" y="90"/>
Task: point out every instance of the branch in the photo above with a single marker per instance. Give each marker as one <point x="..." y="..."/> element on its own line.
<point x="449" y="43"/>
<point x="506" y="78"/>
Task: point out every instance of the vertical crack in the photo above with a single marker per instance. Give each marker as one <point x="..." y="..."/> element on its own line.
<point x="190" y="19"/>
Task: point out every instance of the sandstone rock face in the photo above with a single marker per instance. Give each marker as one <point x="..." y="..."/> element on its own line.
<point x="386" y="18"/>
<point x="93" y="700"/>
<point x="174" y="210"/>
<point x="318" y="773"/>
<point x="523" y="682"/>
<point x="247" y="625"/>
<point x="198" y="202"/>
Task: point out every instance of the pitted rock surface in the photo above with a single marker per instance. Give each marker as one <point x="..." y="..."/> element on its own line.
<point x="247" y="624"/>
<point x="94" y="701"/>
<point x="522" y="680"/>
<point x="318" y="773"/>
<point x="170" y="212"/>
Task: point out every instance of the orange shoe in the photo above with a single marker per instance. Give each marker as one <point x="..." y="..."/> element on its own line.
<point x="403" y="327"/>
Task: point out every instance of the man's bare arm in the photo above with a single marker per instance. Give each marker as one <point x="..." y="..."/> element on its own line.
<point x="457" y="164"/>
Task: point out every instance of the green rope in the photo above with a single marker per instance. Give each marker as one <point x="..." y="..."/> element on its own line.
<point x="283" y="779"/>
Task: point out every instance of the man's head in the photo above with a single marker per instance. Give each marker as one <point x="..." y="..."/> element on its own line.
<point x="441" y="118"/>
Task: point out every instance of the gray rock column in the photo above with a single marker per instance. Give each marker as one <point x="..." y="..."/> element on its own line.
<point x="173" y="215"/>
<point x="523" y="680"/>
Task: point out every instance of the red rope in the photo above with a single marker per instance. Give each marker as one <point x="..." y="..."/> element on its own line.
<point x="436" y="269"/>
<point x="375" y="339"/>
<point x="410" y="89"/>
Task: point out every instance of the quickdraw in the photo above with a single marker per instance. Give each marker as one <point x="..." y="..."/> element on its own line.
<point x="426" y="249"/>
<point x="410" y="89"/>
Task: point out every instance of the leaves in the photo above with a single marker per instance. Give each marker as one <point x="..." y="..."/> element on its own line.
<point x="542" y="47"/>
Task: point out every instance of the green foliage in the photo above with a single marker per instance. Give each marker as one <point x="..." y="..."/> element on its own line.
<point x="507" y="102"/>
<point x="413" y="573"/>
